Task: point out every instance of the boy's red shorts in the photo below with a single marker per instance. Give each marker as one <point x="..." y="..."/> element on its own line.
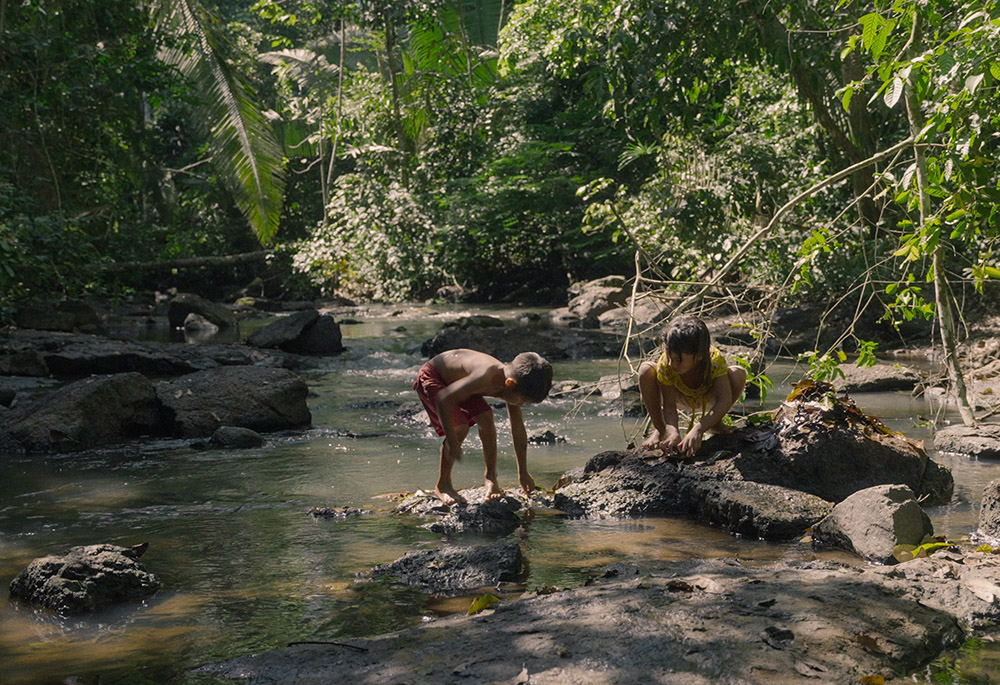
<point x="428" y="384"/>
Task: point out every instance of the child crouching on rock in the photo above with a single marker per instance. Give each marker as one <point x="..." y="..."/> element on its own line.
<point x="451" y="387"/>
<point x="694" y="375"/>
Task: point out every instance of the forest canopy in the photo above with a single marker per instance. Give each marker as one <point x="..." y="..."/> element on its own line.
<point x="502" y="150"/>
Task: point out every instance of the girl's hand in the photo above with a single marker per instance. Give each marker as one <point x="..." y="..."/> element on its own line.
<point x="671" y="439"/>
<point x="691" y="442"/>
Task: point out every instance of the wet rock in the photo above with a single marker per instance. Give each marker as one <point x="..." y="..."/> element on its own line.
<point x="611" y="387"/>
<point x="703" y="621"/>
<point x="85" y="579"/>
<point x="262" y="399"/>
<point x="494" y="518"/>
<point x="882" y="377"/>
<point x="544" y="436"/>
<point x="989" y="513"/>
<point x="338" y="512"/>
<point x="475" y="321"/>
<point x="982" y="441"/>
<point x="96" y="411"/>
<point x="187" y="303"/>
<point x="67" y="315"/>
<point x="871" y="522"/>
<point x="199" y="325"/>
<point x="455" y="570"/>
<point x="236" y="438"/>
<point x="629" y="403"/>
<point x="304" y="332"/>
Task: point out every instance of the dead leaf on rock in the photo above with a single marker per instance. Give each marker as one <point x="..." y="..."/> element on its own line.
<point x="675" y="585"/>
<point x="872" y="680"/>
<point x="869" y="643"/>
<point x="810" y="669"/>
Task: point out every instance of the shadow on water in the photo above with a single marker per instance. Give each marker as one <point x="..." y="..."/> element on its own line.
<point x="243" y="565"/>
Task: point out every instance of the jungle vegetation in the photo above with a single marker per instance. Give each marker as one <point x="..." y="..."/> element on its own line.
<point x="762" y="152"/>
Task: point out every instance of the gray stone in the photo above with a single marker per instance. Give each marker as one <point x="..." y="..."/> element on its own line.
<point x="284" y="330"/>
<point x="982" y="441"/>
<point x="236" y="437"/>
<point x="68" y="315"/>
<point x="85" y="579"/>
<point x="186" y="303"/>
<point x="507" y="342"/>
<point x="989" y="512"/>
<point x="871" y="522"/>
<point x="263" y="399"/>
<point x="323" y="337"/>
<point x="882" y="377"/>
<point x="96" y="411"/>
<point x="456" y="570"/>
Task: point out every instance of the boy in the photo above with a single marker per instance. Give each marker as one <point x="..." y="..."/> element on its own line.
<point x="451" y="387"/>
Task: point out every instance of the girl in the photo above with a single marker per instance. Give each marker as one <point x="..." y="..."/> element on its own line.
<point x="693" y="374"/>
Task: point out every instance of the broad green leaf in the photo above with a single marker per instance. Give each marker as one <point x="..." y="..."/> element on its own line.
<point x="483" y="603"/>
<point x="991" y="271"/>
<point x="995" y="70"/>
<point x="893" y="93"/>
<point x="869" y="28"/>
<point x="848" y="94"/>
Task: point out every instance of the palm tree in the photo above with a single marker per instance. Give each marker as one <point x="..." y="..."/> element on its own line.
<point x="245" y="151"/>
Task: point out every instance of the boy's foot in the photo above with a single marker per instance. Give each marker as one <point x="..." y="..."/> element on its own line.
<point x="652" y="442"/>
<point x="449" y="495"/>
<point x="493" y="490"/>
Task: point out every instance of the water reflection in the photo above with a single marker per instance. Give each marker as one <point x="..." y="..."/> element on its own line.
<point x="245" y="568"/>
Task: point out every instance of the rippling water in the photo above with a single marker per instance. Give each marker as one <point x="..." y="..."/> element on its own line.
<point x="245" y="568"/>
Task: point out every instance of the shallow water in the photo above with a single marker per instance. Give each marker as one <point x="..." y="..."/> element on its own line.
<point x="245" y="568"/>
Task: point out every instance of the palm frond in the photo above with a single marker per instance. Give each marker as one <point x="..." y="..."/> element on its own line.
<point x="245" y="151"/>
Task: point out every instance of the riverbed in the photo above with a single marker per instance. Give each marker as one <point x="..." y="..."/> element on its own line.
<point x="245" y="567"/>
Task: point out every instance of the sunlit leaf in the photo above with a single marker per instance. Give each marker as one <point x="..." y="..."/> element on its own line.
<point x="893" y="93"/>
<point x="482" y="603"/>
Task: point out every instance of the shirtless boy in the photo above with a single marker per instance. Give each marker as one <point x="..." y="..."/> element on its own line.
<point x="452" y="386"/>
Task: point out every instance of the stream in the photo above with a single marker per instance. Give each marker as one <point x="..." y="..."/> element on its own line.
<point x="244" y="567"/>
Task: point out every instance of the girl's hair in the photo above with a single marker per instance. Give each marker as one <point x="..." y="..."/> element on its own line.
<point x="689" y="335"/>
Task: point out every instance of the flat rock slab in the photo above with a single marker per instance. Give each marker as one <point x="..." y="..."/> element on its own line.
<point x="982" y="441"/>
<point x="494" y="518"/>
<point x="457" y="569"/>
<point x="698" y="622"/>
<point x="882" y="377"/>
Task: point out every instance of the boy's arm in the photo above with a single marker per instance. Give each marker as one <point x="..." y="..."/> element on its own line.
<point x="520" y="439"/>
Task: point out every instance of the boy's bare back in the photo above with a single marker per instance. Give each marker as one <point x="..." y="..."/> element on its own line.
<point x="470" y="372"/>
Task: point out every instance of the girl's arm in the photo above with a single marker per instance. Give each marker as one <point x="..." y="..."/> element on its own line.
<point x="670" y="435"/>
<point x="722" y="394"/>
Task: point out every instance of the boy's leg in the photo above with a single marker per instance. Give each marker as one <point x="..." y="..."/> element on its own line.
<point x="649" y="391"/>
<point x="446" y="492"/>
<point x="488" y="437"/>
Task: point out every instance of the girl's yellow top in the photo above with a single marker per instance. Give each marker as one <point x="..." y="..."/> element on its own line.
<point x="695" y="396"/>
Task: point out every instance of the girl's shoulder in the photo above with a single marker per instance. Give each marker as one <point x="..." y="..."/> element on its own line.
<point x="720" y="367"/>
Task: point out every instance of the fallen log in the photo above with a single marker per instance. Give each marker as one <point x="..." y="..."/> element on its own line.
<point x="185" y="262"/>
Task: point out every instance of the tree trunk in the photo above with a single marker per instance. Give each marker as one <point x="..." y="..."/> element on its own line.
<point x="942" y="291"/>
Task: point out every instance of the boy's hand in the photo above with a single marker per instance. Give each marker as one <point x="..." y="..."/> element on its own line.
<point x="527" y="483"/>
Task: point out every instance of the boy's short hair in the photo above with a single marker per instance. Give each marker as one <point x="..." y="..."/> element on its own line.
<point x="533" y="375"/>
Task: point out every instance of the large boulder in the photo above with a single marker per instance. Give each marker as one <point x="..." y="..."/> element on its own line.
<point x="873" y="521"/>
<point x="263" y="399"/>
<point x="188" y="303"/>
<point x="589" y="300"/>
<point x="823" y="444"/>
<point x="89" y="413"/>
<point x="456" y="570"/>
<point x="304" y="332"/>
<point x="85" y="579"/>
<point x="66" y="315"/>
<point x="770" y="481"/>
